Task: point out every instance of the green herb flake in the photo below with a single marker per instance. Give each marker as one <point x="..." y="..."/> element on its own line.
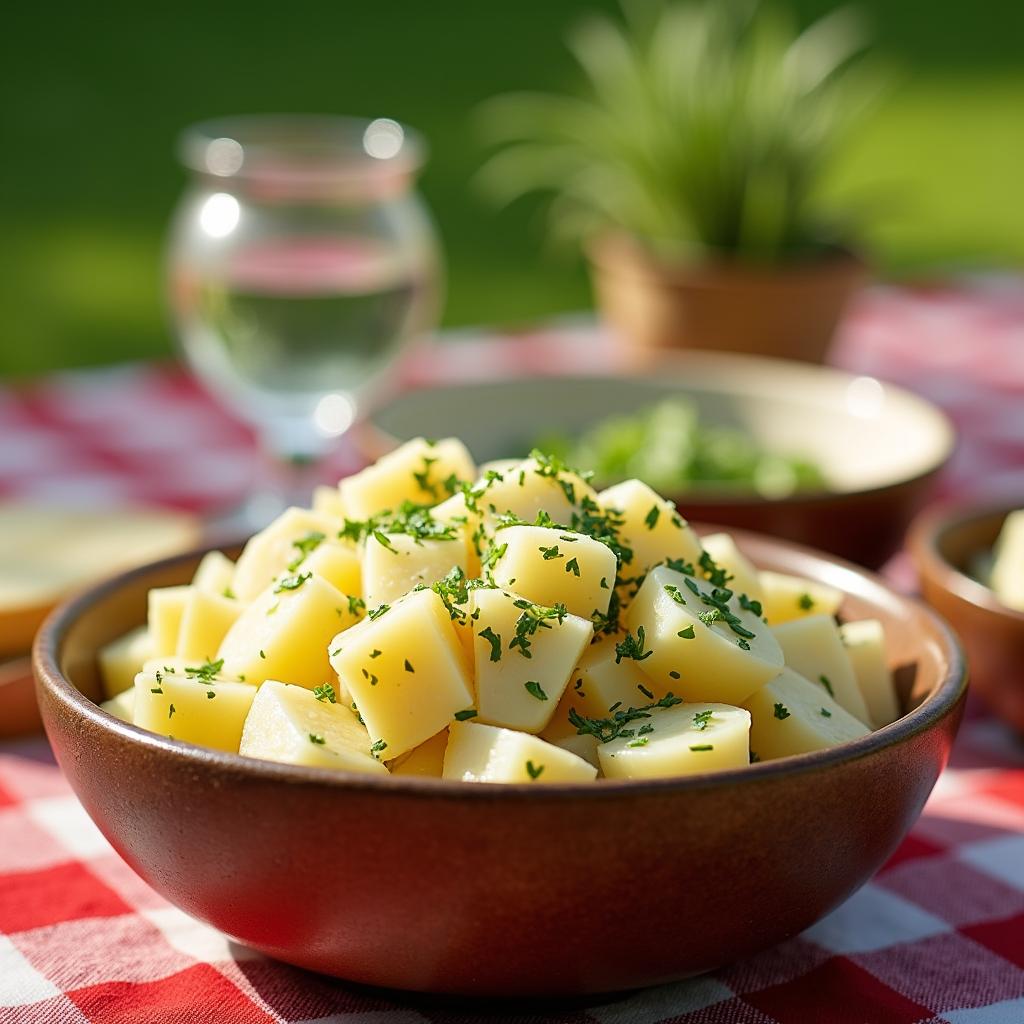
<point x="408" y="666"/>
<point x="210" y="694"/>
<point x="651" y="519"/>
<point x="643" y="689"/>
<point x="466" y="715"/>
<point x="674" y="674"/>
<point x="825" y="713"/>
<point x="534" y="689"/>
<point x="375" y="653"/>
<point x="378" y="748"/>
<point x="494" y="639"/>
<point x="548" y="553"/>
<point x="376" y="613"/>
<point x="828" y="686"/>
<point x="292" y="582"/>
<point x="573" y="566"/>
<point x="699" y="748"/>
<point x="688" y="633"/>
<point x="534" y="771"/>
<point x="206" y="672"/>
<point x="170" y="713"/>
<point x="805" y="602"/>
<point x="781" y="712"/>
<point x="315" y="737"/>
<point x="632" y="647"/>
<point x="701" y="719"/>
<point x="156" y="689"/>
<point x="640" y="741"/>
<point x="263" y="654"/>
<point x="325" y="694"/>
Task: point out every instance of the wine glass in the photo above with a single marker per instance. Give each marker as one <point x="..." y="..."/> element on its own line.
<point x="301" y="262"/>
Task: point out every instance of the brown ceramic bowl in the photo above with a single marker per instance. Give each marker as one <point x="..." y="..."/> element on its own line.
<point x="880" y="447"/>
<point x="944" y="541"/>
<point x="488" y="890"/>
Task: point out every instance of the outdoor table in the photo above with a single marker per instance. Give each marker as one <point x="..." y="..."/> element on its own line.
<point x="937" y="935"/>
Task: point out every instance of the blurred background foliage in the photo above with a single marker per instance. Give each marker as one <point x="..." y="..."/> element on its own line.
<point x="94" y="96"/>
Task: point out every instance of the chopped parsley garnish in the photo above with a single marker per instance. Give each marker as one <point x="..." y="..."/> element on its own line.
<point x="383" y="540"/>
<point x="375" y="653"/>
<point x="263" y="654"/>
<point x="674" y="593"/>
<point x="494" y="639"/>
<point x="229" y="593"/>
<point x="170" y="712"/>
<point x="408" y="666"/>
<point x="573" y="566"/>
<point x="305" y="545"/>
<point x="651" y="519"/>
<point x="673" y="674"/>
<point x="534" y="771"/>
<point x="292" y="582"/>
<point x="356" y="605"/>
<point x="716" y="575"/>
<point x="805" y="602"/>
<point x="534" y="690"/>
<point x="206" y="672"/>
<point x="701" y="747"/>
<point x="532" y="617"/>
<point x="701" y="719"/>
<point x="781" y="712"/>
<point x="325" y="694"/>
<point x="632" y="647"/>
<point x="464" y="716"/>
<point x="618" y="723"/>
<point x="315" y="737"/>
<point x="826" y="713"/>
<point x="422" y="477"/>
<point x="688" y="633"/>
<point x="828" y="686"/>
<point x="640" y="741"/>
<point x="643" y="689"/>
<point x="604" y="583"/>
<point x="156" y="689"/>
<point x="377" y="612"/>
<point x="751" y="606"/>
<point x="378" y="748"/>
<point x="709" y="617"/>
<point x="552" y="552"/>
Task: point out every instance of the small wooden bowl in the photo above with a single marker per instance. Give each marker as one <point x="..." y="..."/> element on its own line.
<point x="943" y="542"/>
<point x="488" y="890"/>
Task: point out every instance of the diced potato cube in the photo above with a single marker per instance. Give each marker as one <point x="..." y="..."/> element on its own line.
<point x="1007" y="576"/>
<point x="416" y="472"/>
<point x="425" y="761"/>
<point x="123" y="705"/>
<point x="394" y="563"/>
<point x="530" y="487"/>
<point x="785" y="598"/>
<point x="182" y="708"/>
<point x="284" y="633"/>
<point x="652" y="528"/>
<point x="293" y="725"/>
<point x="121" y="659"/>
<point x="695" y="649"/>
<point x="215" y="574"/>
<point x="687" y="739"/>
<point x="166" y="605"/>
<point x="524" y="655"/>
<point x="813" y="648"/>
<point x="286" y="542"/>
<point x="584" y="746"/>
<point x="600" y="686"/>
<point x="405" y="670"/>
<point x="205" y="621"/>
<point x="485" y="753"/>
<point x="722" y="548"/>
<point x="553" y="566"/>
<point x="327" y="502"/>
<point x="865" y="647"/>
<point x="339" y="564"/>
<point x="454" y="513"/>
<point x="791" y="715"/>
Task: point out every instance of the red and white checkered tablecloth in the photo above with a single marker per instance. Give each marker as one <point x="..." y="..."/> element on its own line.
<point x="936" y="936"/>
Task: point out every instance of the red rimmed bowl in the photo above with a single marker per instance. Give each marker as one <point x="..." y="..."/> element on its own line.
<point x="487" y="890"/>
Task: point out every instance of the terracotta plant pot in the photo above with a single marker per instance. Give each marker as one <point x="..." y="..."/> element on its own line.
<point x="786" y="311"/>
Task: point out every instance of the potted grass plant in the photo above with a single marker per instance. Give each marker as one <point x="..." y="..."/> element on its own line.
<point x="690" y="171"/>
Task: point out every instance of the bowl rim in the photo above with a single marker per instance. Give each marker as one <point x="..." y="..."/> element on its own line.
<point x="936" y="706"/>
<point x="368" y="429"/>
<point x="935" y="524"/>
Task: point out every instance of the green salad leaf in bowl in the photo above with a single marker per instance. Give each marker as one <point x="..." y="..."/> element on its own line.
<point x="668" y="446"/>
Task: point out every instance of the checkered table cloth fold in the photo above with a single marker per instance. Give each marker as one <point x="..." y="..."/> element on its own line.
<point x="936" y="936"/>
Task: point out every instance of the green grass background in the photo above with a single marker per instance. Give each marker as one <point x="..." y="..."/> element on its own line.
<point x="94" y="95"/>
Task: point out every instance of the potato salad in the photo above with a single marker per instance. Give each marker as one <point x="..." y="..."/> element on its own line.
<point x="500" y="624"/>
